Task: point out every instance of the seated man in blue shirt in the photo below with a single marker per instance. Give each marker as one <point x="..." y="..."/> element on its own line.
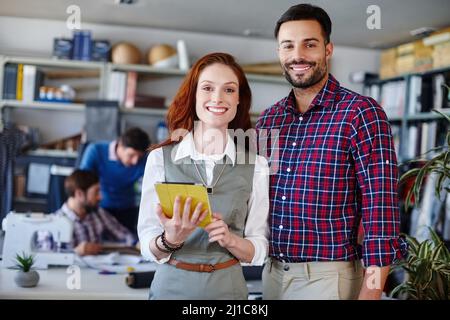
<point x="119" y="164"/>
<point x="92" y="225"/>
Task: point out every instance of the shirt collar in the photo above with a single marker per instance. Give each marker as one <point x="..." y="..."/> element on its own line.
<point x="112" y="155"/>
<point x="324" y="98"/>
<point x="186" y="148"/>
<point x="69" y="213"/>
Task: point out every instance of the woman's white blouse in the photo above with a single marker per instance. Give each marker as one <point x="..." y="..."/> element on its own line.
<point x="256" y="228"/>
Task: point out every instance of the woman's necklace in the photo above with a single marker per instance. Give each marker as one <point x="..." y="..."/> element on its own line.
<point x="210" y="189"/>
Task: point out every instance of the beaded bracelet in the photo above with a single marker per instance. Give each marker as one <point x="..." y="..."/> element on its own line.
<point x="169" y="246"/>
<point x="158" y="247"/>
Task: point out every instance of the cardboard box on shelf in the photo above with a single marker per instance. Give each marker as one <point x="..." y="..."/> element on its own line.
<point x="388" y="67"/>
<point x="405" y="64"/>
<point x="406" y="49"/>
<point x="423" y="57"/>
<point x="441" y="55"/>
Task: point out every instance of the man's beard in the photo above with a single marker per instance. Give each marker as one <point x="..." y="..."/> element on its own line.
<point x="90" y="208"/>
<point x="319" y="72"/>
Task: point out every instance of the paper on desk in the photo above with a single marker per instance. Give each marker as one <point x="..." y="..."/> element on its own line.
<point x="115" y="262"/>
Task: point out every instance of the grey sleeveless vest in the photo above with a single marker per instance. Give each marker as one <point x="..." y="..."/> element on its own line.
<point x="231" y="195"/>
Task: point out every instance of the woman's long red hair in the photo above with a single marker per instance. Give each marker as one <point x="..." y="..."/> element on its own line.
<point x="182" y="113"/>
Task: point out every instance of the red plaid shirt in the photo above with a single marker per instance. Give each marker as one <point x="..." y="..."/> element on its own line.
<point x="332" y="167"/>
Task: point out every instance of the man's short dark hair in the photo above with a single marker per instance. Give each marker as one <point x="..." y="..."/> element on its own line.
<point x="135" y="138"/>
<point x="79" y="179"/>
<point x="305" y="11"/>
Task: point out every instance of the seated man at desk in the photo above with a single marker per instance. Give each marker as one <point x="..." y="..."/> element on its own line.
<point x="119" y="164"/>
<point x="92" y="224"/>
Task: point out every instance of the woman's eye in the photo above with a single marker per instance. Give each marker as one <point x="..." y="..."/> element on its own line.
<point x="207" y="88"/>
<point x="230" y="90"/>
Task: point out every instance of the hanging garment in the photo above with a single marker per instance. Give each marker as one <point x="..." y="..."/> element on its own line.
<point x="11" y="141"/>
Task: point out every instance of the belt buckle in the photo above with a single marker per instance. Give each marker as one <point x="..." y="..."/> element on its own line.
<point x="210" y="268"/>
<point x="207" y="268"/>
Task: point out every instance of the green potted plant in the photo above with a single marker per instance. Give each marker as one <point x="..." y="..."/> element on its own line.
<point x="26" y="277"/>
<point x="427" y="266"/>
<point x="439" y="164"/>
<point x="427" y="270"/>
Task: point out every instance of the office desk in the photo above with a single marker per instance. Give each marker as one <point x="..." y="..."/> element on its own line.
<point x="52" y="285"/>
<point x="95" y="286"/>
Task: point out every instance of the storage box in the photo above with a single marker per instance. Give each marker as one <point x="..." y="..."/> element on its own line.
<point x="101" y="50"/>
<point x="62" y="48"/>
<point x="423" y="57"/>
<point x="405" y="64"/>
<point x="441" y="55"/>
<point x="388" y="67"/>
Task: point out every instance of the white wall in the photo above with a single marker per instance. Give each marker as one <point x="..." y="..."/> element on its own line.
<point x="23" y="36"/>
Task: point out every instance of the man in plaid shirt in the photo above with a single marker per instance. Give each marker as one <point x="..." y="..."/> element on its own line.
<point x="333" y="167"/>
<point x="91" y="225"/>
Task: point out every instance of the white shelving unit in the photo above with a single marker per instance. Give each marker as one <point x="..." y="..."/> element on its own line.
<point x="104" y="71"/>
<point x="408" y="118"/>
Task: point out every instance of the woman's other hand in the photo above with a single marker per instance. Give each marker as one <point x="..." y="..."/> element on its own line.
<point x="218" y="231"/>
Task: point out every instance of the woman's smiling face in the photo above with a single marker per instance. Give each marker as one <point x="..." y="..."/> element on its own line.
<point x="217" y="96"/>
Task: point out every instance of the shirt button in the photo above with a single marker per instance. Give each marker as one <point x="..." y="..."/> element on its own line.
<point x="288" y="169"/>
<point x="286" y="267"/>
<point x="387" y="161"/>
<point x="281" y="255"/>
<point x="280" y="226"/>
<point x="283" y="197"/>
<point x="301" y="118"/>
<point x="294" y="144"/>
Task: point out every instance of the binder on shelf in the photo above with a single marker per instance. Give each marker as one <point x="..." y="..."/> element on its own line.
<point x="32" y="81"/>
<point x="415" y="92"/>
<point x="19" y="85"/>
<point x="10" y="81"/>
<point x="131" y="89"/>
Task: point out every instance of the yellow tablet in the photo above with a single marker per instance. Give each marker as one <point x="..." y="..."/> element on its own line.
<point x="167" y="191"/>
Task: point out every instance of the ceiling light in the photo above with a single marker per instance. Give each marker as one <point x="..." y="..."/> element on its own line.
<point x="125" y="2"/>
<point x="422" y="32"/>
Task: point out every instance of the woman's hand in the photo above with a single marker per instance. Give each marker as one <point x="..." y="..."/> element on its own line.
<point x="178" y="228"/>
<point x="218" y="231"/>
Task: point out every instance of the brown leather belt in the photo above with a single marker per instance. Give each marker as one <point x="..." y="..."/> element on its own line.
<point x="202" y="267"/>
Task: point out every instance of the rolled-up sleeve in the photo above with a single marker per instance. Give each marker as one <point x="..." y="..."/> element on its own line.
<point x="377" y="174"/>
<point x="149" y="225"/>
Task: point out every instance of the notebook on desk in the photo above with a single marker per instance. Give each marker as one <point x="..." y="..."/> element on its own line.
<point x="167" y="191"/>
<point x="120" y="248"/>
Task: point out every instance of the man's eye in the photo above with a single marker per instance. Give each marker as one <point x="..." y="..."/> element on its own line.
<point x="286" y="46"/>
<point x="310" y="45"/>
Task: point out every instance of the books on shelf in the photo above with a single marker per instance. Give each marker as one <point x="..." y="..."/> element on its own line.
<point x="10" y="81"/>
<point x="117" y="86"/>
<point x="393" y="98"/>
<point x="22" y="82"/>
<point x="415" y="93"/>
<point x="123" y="88"/>
<point x="131" y="89"/>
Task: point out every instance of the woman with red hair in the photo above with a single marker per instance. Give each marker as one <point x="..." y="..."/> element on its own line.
<point x="205" y="119"/>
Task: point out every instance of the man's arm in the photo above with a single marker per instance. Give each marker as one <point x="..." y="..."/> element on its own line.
<point x="115" y="229"/>
<point x="90" y="159"/>
<point x="373" y="284"/>
<point x="377" y="175"/>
